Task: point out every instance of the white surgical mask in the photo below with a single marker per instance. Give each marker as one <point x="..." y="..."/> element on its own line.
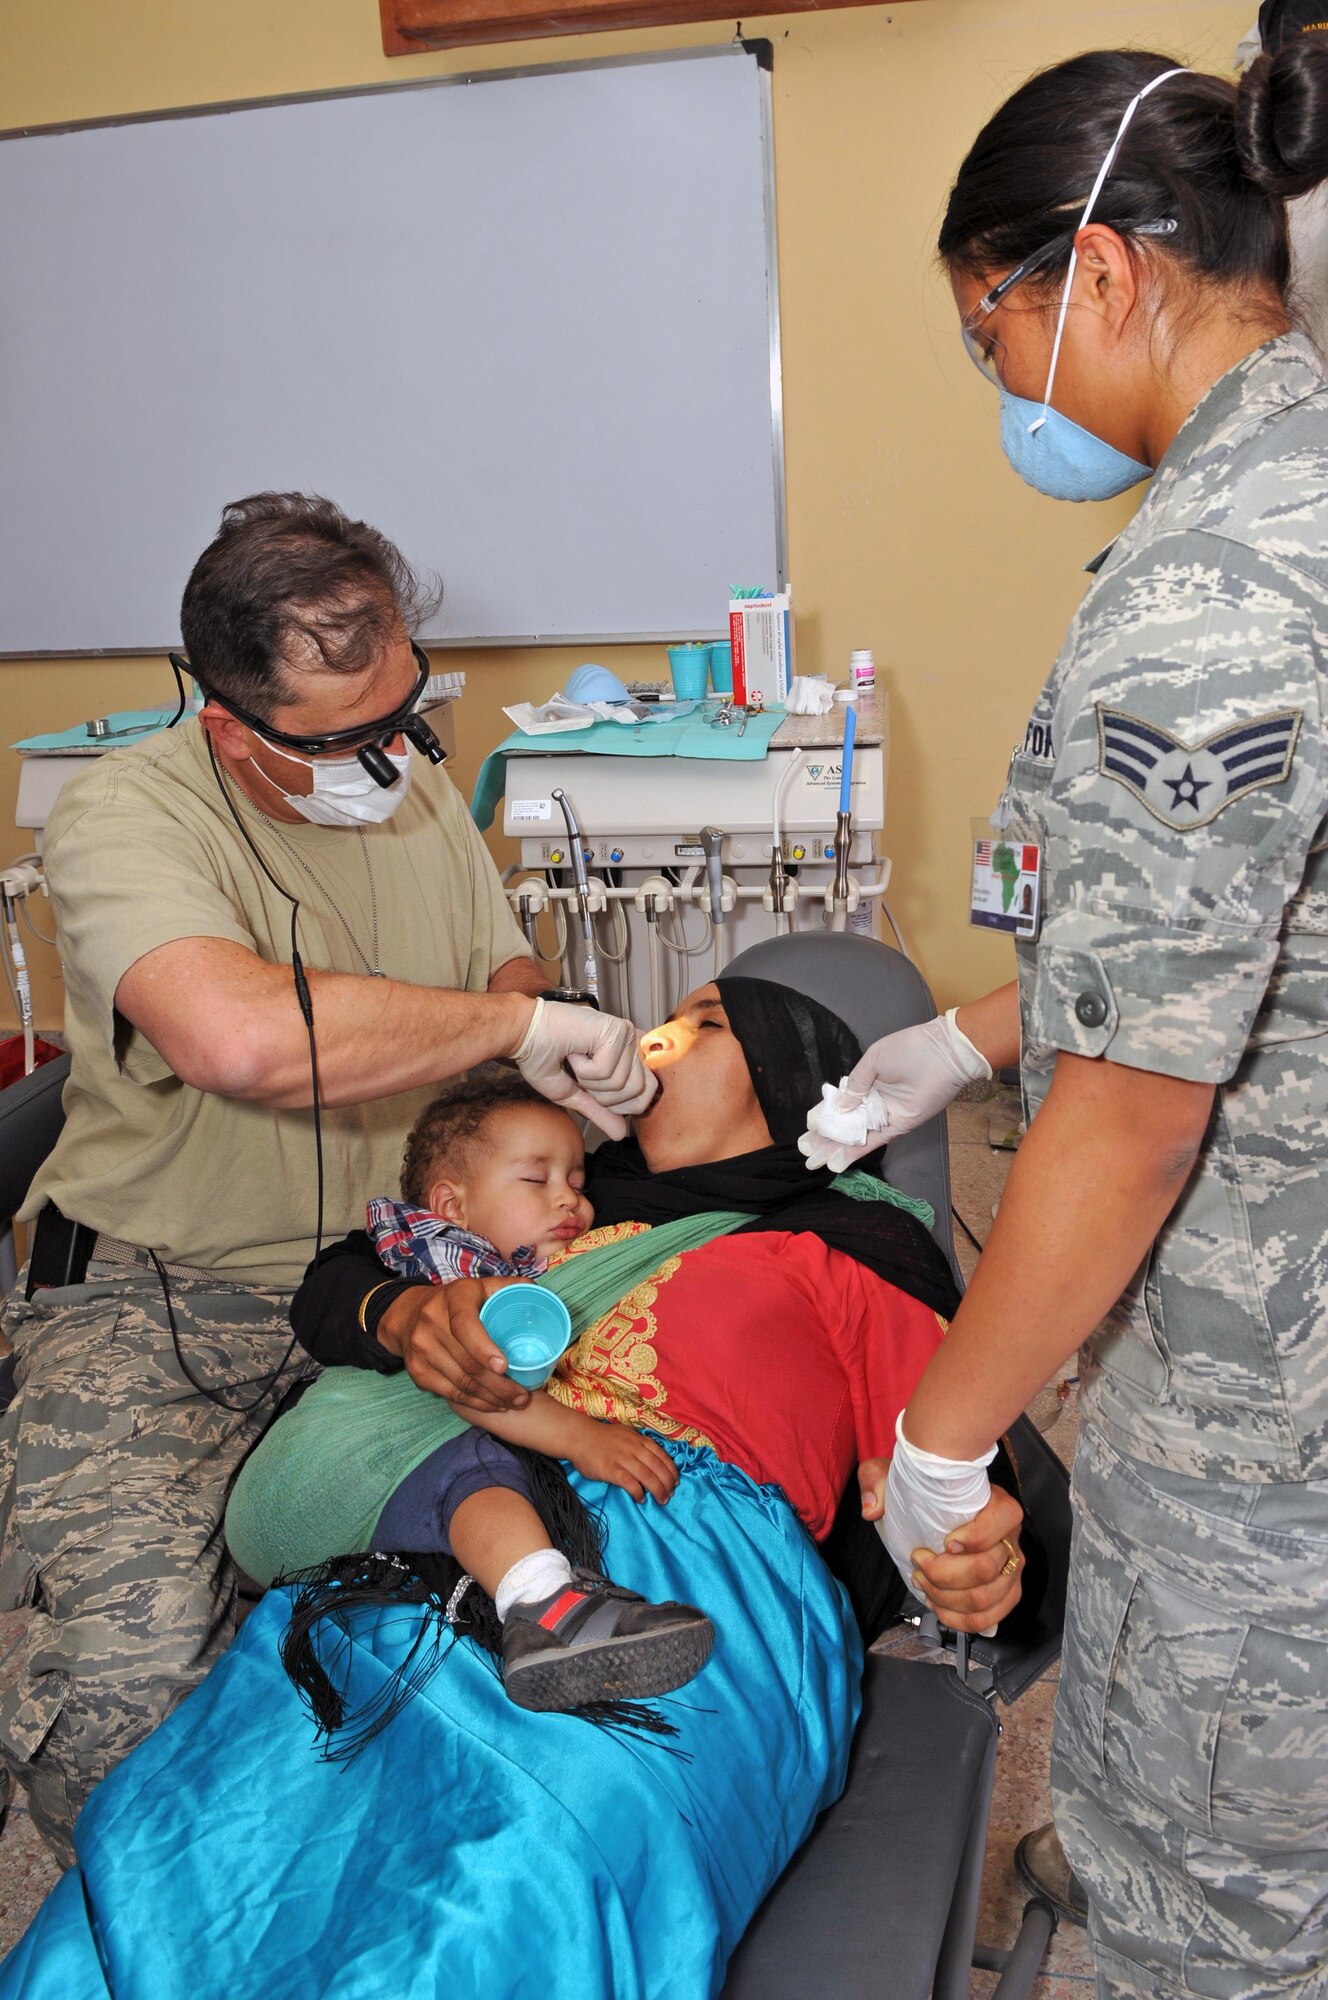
<point x="344" y="793"/>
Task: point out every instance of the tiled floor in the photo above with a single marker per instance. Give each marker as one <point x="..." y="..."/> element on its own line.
<point x="1021" y="1800"/>
<point x="27" y="1873"/>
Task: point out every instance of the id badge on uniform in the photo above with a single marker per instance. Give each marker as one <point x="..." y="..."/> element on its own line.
<point x="1007" y="882"/>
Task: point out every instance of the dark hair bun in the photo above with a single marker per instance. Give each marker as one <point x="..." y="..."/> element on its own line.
<point x="1282" y="118"/>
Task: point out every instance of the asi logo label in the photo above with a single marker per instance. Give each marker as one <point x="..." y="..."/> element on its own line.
<point x="825" y="777"/>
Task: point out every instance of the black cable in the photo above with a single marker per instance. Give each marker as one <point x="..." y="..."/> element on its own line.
<point x="964" y="1226"/>
<point x="240" y="1409"/>
<point x="306" y="1006"/>
<point x="184" y="698"/>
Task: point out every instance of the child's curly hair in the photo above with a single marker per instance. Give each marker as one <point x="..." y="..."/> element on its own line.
<point x="450" y="1127"/>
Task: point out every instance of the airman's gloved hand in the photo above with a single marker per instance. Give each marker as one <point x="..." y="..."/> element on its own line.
<point x="927" y="1498"/>
<point x="911" y="1074"/>
<point x="607" y="1076"/>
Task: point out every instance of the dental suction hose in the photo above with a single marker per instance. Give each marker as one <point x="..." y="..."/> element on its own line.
<point x="590" y="968"/>
<point x="652" y="942"/>
<point x="843" y="842"/>
<point x="844" y="824"/>
<point x="712" y="844"/>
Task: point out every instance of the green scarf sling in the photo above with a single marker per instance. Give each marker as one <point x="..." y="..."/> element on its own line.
<point x="316" y="1484"/>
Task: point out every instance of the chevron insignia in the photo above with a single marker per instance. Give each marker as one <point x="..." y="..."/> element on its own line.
<point x="1189" y="784"/>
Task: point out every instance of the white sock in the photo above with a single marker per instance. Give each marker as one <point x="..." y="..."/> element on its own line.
<point x="534" y="1576"/>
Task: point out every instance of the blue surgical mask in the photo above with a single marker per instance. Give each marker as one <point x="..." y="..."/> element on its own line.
<point x="1051" y="452"/>
<point x="1047" y="449"/>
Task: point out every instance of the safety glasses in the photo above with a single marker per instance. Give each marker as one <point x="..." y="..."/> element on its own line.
<point x="366" y="741"/>
<point x="983" y="349"/>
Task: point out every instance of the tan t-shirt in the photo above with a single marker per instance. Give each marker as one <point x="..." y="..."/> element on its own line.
<point x="141" y="851"/>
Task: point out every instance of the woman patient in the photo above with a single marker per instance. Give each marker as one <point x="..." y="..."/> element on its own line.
<point x="774" y="1319"/>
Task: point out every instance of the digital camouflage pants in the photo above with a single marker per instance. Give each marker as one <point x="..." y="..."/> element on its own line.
<point x="116" y="1592"/>
<point x="1190" y="1764"/>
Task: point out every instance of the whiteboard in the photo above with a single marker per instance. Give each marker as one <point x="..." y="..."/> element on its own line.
<point x="526" y="323"/>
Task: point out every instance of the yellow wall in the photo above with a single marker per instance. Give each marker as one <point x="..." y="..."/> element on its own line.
<point x="906" y="530"/>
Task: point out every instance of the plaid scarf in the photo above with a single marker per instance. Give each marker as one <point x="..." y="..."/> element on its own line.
<point x="415" y="1243"/>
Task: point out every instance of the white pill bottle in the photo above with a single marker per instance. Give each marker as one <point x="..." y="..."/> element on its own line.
<point x="862" y="671"/>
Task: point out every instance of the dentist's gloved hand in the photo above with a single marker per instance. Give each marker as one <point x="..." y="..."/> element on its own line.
<point x="927" y="1498"/>
<point x="587" y="1062"/>
<point x="913" y="1074"/>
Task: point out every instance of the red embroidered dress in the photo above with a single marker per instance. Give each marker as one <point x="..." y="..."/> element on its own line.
<point x="787" y="1358"/>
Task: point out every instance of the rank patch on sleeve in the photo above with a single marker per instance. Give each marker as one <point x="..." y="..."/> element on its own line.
<point x="1189" y="784"/>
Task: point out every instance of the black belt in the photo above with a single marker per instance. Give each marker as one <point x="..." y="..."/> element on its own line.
<point x="62" y="1250"/>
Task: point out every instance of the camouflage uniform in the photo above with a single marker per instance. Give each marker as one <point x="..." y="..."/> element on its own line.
<point x="114" y="1473"/>
<point x="1174" y="772"/>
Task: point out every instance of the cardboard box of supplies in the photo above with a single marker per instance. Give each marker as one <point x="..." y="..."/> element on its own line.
<point x="761" y="629"/>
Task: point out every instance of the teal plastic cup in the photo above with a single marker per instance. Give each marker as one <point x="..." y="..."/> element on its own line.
<point x="689" y="667"/>
<point x="532" y="1326"/>
<point x="721" y="666"/>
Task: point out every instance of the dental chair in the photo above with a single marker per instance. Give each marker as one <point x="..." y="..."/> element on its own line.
<point x="881" y="1903"/>
<point x="31" y="1114"/>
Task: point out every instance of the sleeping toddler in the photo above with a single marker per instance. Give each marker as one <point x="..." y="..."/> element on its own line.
<point x="493" y="1185"/>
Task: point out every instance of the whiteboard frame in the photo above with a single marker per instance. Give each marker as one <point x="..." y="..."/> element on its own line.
<point x="757" y="51"/>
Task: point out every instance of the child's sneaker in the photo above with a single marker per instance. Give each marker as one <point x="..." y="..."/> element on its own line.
<point x="592" y="1641"/>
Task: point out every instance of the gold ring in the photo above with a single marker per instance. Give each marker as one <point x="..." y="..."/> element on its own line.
<point x="1013" y="1563"/>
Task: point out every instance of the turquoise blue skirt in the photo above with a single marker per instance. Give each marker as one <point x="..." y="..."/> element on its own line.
<point x="474" y="1849"/>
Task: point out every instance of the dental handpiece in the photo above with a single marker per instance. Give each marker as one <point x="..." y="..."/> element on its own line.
<point x="590" y="959"/>
<point x="577" y="853"/>
<point x="712" y="842"/>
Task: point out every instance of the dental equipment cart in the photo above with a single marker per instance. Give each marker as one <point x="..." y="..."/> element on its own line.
<point x="684" y="862"/>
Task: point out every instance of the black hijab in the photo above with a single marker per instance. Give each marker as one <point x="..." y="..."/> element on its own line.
<point x="792" y="1046"/>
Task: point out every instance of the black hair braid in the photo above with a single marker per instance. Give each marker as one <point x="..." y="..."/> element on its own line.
<point x="1282" y="118"/>
<point x="318" y="1644"/>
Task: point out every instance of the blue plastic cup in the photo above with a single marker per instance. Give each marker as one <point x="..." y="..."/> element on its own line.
<point x="532" y="1326"/>
<point x="721" y="666"/>
<point x="689" y="667"/>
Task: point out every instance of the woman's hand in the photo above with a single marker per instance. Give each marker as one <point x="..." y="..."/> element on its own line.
<point x="436" y="1330"/>
<point x="872" y="1475"/>
<point x="967" y="1585"/>
<point x="620" y="1456"/>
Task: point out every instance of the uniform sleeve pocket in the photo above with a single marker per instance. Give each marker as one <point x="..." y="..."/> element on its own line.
<point x="1074" y="1006"/>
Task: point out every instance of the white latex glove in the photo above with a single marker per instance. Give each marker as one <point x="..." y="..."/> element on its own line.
<point x="587" y="1062"/>
<point x="927" y="1498"/>
<point x="843" y="1127"/>
<point x="912" y="1074"/>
